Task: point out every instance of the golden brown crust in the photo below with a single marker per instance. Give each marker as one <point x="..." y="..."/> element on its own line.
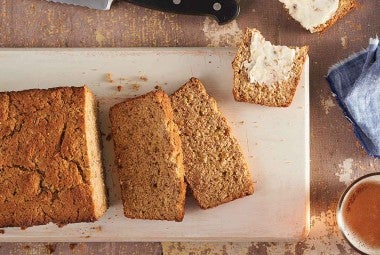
<point x="345" y="6"/>
<point x="149" y="158"/>
<point x="44" y="166"/>
<point x="279" y="94"/>
<point x="215" y="168"/>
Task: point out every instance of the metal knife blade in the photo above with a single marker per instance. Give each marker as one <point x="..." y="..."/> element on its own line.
<point x="93" y="4"/>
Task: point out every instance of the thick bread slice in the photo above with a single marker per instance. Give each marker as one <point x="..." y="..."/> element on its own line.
<point x="345" y="6"/>
<point x="215" y="168"/>
<point x="50" y="158"/>
<point x="279" y="94"/>
<point x="149" y="158"/>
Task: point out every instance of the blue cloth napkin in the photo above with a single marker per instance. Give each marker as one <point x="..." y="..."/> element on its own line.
<point x="356" y="85"/>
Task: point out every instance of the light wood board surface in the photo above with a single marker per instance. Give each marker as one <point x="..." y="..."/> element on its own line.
<point x="274" y="140"/>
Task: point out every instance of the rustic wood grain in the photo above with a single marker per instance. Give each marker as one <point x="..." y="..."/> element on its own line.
<point x="336" y="157"/>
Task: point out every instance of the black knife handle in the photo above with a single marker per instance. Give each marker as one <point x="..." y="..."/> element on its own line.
<point x="222" y="10"/>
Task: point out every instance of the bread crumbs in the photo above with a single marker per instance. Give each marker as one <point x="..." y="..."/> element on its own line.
<point x="109" y="77"/>
<point x="135" y="86"/>
<point x="98" y="228"/>
<point x="119" y="88"/>
<point x="143" y="78"/>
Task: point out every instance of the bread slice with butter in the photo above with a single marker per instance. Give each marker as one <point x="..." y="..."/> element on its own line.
<point x="266" y="74"/>
<point x="318" y="15"/>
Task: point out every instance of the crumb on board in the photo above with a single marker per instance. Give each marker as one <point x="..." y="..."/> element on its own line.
<point x="23" y="228"/>
<point x="109" y="77"/>
<point x="157" y="87"/>
<point x="241" y="122"/>
<point x="97" y="229"/>
<point x="109" y="137"/>
<point x="165" y="83"/>
<point x="119" y="88"/>
<point x="2" y="231"/>
<point x="135" y="86"/>
<point x="143" y="78"/>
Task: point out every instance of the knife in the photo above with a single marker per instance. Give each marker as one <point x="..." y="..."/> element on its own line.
<point x="223" y="11"/>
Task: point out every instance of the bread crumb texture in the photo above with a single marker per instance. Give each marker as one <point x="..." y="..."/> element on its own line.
<point x="45" y="173"/>
<point x="279" y="94"/>
<point x="215" y="168"/>
<point x="149" y="158"/>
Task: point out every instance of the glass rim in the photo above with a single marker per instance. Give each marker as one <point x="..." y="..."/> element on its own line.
<point x="339" y="208"/>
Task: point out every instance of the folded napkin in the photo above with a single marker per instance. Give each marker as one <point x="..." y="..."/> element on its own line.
<point x="356" y="85"/>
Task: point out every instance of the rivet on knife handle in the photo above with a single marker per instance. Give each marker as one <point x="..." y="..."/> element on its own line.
<point x="222" y="10"/>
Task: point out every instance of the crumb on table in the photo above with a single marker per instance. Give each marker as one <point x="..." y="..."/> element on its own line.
<point x="119" y="88"/>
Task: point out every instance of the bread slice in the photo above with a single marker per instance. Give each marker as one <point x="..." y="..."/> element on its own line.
<point x="345" y="6"/>
<point x="215" y="168"/>
<point x="278" y="94"/>
<point x="50" y="158"/>
<point x="149" y="158"/>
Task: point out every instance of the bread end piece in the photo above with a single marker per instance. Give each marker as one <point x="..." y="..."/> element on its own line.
<point x="345" y="6"/>
<point x="279" y="94"/>
<point x="50" y="161"/>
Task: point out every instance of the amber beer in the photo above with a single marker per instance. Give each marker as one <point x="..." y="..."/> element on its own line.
<point x="359" y="214"/>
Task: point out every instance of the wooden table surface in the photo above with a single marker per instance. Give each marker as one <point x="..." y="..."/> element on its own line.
<point x="336" y="156"/>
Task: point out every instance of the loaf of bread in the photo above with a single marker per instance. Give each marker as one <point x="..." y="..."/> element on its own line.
<point x="149" y="158"/>
<point x="317" y="15"/>
<point x="215" y="168"/>
<point x="273" y="92"/>
<point x="50" y="158"/>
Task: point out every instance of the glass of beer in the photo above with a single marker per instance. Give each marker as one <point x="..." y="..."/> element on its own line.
<point x="358" y="214"/>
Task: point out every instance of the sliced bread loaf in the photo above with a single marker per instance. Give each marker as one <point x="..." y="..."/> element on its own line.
<point x="149" y="158"/>
<point x="215" y="168"/>
<point x="316" y="16"/>
<point x="264" y="73"/>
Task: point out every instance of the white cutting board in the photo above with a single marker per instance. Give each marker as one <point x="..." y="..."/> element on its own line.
<point x="275" y="142"/>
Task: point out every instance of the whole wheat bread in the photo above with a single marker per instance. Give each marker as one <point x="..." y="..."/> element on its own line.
<point x="50" y="158"/>
<point x="345" y="6"/>
<point x="279" y="94"/>
<point x="215" y="168"/>
<point x="149" y="158"/>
